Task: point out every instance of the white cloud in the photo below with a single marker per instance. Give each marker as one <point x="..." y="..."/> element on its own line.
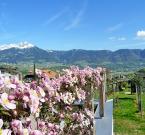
<point x="76" y="20"/>
<point x="55" y="17"/>
<point x="115" y="27"/>
<point x="117" y="38"/>
<point x="141" y="34"/>
<point x="112" y="38"/>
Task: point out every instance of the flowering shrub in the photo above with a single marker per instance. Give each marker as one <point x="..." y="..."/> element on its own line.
<point x="61" y="106"/>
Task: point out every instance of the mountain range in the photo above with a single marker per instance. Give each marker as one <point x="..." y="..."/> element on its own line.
<point x="26" y="52"/>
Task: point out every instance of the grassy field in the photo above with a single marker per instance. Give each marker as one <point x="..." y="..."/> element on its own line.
<point x="127" y="119"/>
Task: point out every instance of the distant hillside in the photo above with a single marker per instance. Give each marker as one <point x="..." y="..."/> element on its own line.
<point x="25" y="52"/>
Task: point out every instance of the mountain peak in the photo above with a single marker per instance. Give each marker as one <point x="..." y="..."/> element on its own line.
<point x="21" y="45"/>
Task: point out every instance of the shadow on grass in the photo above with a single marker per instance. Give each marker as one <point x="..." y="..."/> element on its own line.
<point x="126" y="98"/>
<point x="130" y="94"/>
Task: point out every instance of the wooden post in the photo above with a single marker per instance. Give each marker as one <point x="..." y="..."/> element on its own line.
<point x="34" y="71"/>
<point x="116" y="87"/>
<point x="139" y="99"/>
<point x="113" y="88"/>
<point x="20" y="76"/>
<point x="136" y="94"/>
<point x="115" y="91"/>
<point x="102" y="96"/>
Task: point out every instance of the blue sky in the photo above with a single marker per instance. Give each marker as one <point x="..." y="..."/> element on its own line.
<point x="74" y="24"/>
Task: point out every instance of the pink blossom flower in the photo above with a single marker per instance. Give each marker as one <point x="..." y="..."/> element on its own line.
<point x="36" y="132"/>
<point x="1" y="82"/>
<point x="42" y="125"/>
<point x="34" y="103"/>
<point x="50" y="125"/>
<point x="6" y="103"/>
<point x="6" y="132"/>
<point x="28" y="122"/>
<point x="1" y="123"/>
<point x="11" y="97"/>
<point x="16" y="126"/>
<point x="89" y="113"/>
<point x="75" y="116"/>
<point x="26" y="98"/>
<point x="61" y="116"/>
<point x="81" y="94"/>
<point x="11" y="86"/>
<point x="67" y="98"/>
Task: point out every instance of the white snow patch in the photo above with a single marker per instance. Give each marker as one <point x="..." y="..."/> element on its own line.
<point x="21" y="45"/>
<point x="50" y="51"/>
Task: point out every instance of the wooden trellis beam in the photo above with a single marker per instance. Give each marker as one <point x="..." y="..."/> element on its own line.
<point x="102" y="96"/>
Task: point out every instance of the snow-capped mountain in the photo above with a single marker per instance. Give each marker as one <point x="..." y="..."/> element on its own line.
<point x="22" y="52"/>
<point x="21" y="45"/>
<point x="27" y="52"/>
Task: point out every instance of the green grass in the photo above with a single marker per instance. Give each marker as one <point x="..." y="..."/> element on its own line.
<point x="127" y="119"/>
